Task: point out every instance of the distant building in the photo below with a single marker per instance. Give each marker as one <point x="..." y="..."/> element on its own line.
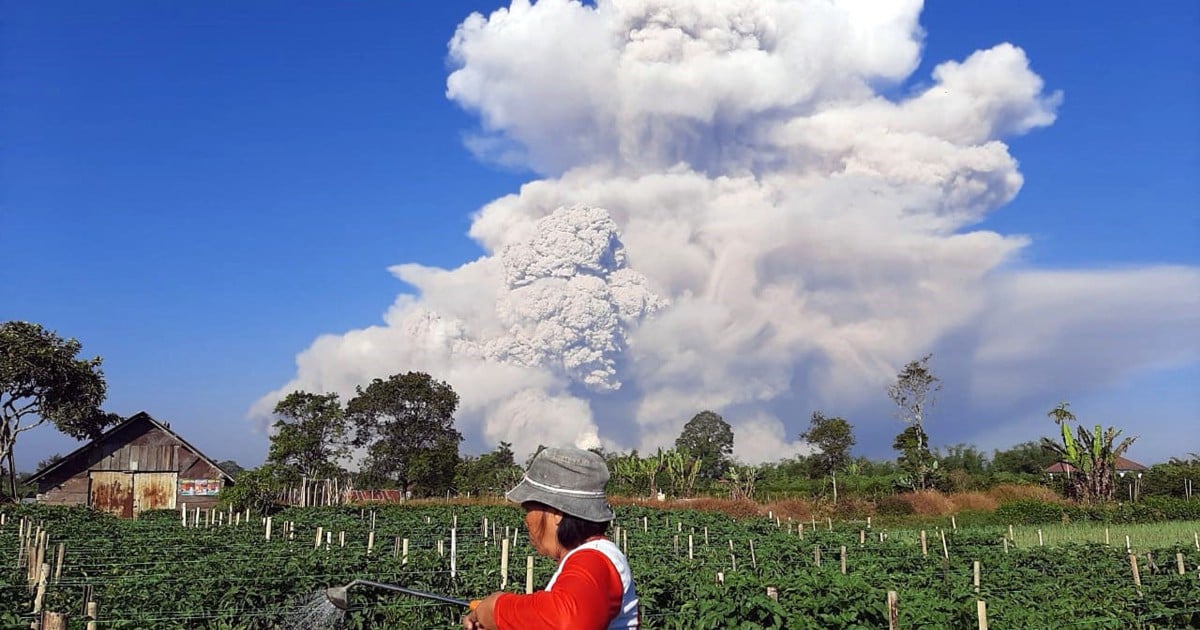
<point x="1122" y="466"/>
<point x="135" y="466"/>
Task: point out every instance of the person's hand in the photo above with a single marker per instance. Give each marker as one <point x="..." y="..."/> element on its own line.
<point x="480" y="617"/>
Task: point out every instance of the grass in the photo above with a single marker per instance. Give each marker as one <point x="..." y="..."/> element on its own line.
<point x="1142" y="536"/>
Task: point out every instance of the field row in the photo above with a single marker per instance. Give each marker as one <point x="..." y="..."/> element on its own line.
<point x="693" y="570"/>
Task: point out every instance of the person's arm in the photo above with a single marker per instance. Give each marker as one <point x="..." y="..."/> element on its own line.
<point x="586" y="596"/>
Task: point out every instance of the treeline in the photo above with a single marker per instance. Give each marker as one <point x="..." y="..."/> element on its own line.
<point x="399" y="432"/>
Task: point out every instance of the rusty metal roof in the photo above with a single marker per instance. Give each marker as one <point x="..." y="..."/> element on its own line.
<point x="140" y="416"/>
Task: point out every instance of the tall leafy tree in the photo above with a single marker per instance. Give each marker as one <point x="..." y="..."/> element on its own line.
<point x="405" y="423"/>
<point x="914" y="393"/>
<point x="708" y="438"/>
<point x="309" y="436"/>
<point x="42" y="380"/>
<point x="492" y="472"/>
<point x="834" y="437"/>
<point x="1092" y="454"/>
<point x="1028" y="458"/>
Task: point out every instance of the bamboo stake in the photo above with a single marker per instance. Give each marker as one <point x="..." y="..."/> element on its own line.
<point x="753" y="558"/>
<point x="1179" y="562"/>
<point x="924" y="546"/>
<point x="975" y="571"/>
<point x="58" y="565"/>
<point x="817" y="555"/>
<point x="503" y="564"/>
<point x="370" y="541"/>
<point x="41" y="589"/>
<point x="528" y="575"/>
<point x="453" y="552"/>
<point x="54" y="621"/>
<point x="945" y="550"/>
<point x="843" y="559"/>
<point x="93" y="614"/>
<point x="1133" y="566"/>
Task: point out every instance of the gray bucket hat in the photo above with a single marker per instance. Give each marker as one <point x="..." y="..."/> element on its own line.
<point x="571" y="480"/>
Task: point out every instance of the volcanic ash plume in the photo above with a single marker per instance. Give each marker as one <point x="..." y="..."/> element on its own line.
<point x="751" y="207"/>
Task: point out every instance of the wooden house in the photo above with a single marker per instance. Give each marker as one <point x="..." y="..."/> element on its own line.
<point x="138" y="465"/>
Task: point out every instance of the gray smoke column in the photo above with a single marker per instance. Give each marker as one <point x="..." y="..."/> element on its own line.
<point x="733" y="216"/>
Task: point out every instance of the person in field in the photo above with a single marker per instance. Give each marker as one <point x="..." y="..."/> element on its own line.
<point x="567" y="516"/>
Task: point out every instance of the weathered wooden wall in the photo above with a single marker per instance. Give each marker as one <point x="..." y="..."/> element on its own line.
<point x="135" y="468"/>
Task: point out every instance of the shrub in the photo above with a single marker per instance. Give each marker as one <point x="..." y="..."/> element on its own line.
<point x="976" y="501"/>
<point x="740" y="508"/>
<point x="1029" y="512"/>
<point x="1008" y="492"/>
<point x="853" y="509"/>
<point x="928" y="503"/>
<point x="893" y="505"/>
<point x="795" y="509"/>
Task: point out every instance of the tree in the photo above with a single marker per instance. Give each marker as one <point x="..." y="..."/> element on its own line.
<point x="834" y="437"/>
<point x="231" y="468"/>
<point x="964" y="457"/>
<point x="309" y="437"/>
<point x="1026" y="458"/>
<point x="255" y="490"/>
<point x="916" y="462"/>
<point x="41" y="381"/>
<point x="710" y="439"/>
<point x="1091" y="454"/>
<point x="914" y="393"/>
<point x="492" y="472"/>
<point x="406" y="425"/>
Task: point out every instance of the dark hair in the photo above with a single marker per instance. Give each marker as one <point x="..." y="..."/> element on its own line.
<point x="574" y="531"/>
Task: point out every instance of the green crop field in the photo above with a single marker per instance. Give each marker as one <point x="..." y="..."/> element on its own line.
<point x="693" y="570"/>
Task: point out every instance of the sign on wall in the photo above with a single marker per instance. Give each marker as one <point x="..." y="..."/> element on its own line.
<point x="199" y="487"/>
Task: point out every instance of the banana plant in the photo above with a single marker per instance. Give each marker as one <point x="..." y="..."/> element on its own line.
<point x="1090" y="456"/>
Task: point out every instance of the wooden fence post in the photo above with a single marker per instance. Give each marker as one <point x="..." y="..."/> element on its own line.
<point x="1179" y="563"/>
<point x="54" y="621"/>
<point x="843" y="559"/>
<point x="975" y="571"/>
<point x="503" y="563"/>
<point x="893" y="606"/>
<point x="93" y="614"/>
<point x="58" y="565"/>
<point x="924" y="545"/>
<point x="1133" y="566"/>
<point x="528" y="575"/>
<point x="981" y="607"/>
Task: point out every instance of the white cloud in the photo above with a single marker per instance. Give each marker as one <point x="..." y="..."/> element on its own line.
<point x="734" y="217"/>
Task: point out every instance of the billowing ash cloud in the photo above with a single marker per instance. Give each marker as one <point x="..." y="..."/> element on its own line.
<point x="735" y="216"/>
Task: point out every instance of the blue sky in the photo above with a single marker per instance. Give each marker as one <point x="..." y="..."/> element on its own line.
<point x="197" y="191"/>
